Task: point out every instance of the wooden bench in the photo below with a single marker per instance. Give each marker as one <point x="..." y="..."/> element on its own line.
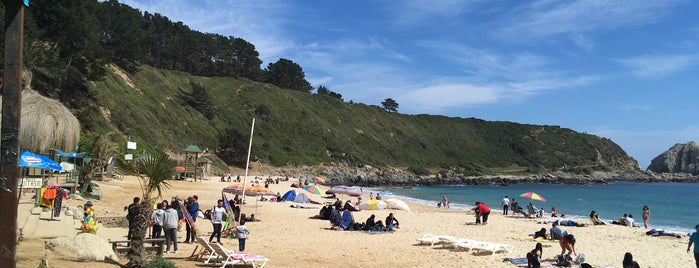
<point x="123" y="245"/>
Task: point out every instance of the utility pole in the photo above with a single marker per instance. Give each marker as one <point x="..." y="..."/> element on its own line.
<point x="9" y="149"/>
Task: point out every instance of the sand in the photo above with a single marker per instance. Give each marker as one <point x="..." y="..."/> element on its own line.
<point x="289" y="238"/>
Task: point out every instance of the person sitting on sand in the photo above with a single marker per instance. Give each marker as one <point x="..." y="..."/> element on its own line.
<point x="540" y="233"/>
<point x="622" y="220"/>
<point x="348" y="206"/>
<point x="370" y="224"/>
<point x="555" y="231"/>
<point x="534" y="256"/>
<point x="391" y="222"/>
<point x="337" y="204"/>
<point x="630" y="221"/>
<point x="628" y="261"/>
<point x="567" y="243"/>
<point x="594" y="218"/>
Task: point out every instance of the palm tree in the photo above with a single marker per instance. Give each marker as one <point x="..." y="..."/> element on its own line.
<point x="153" y="173"/>
<point x="101" y="150"/>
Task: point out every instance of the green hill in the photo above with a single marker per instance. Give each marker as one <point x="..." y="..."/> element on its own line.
<point x="169" y="110"/>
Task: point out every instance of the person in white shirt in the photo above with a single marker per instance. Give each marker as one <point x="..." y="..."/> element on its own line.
<point x="505" y="205"/>
<point x="630" y="221"/>
<point x="217" y="214"/>
<point x="157" y="218"/>
<point x="242" y="233"/>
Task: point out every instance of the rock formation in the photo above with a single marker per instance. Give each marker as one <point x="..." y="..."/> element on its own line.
<point x="680" y="158"/>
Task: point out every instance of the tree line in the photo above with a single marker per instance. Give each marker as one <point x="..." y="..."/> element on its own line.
<point x="69" y="43"/>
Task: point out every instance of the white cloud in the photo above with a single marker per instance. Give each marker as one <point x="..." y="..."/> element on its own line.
<point x="551" y="17"/>
<point x="582" y="42"/>
<point x="659" y="65"/>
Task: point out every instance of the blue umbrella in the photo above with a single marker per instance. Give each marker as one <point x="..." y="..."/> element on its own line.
<point x="27" y="159"/>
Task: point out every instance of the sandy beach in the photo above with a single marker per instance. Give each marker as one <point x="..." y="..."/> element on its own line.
<point x="289" y="238"/>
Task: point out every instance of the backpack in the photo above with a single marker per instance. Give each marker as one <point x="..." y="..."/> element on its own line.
<point x="562" y="261"/>
<point x="207" y="214"/>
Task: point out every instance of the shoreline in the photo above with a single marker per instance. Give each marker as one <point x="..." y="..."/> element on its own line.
<point x="289" y="238"/>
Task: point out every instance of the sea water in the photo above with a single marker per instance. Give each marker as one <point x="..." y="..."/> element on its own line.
<point x="673" y="206"/>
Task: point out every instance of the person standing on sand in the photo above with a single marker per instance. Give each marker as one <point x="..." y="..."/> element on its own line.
<point x="645" y="213"/>
<point x="131" y="216"/>
<point x="170" y="220"/>
<point x="242" y="233"/>
<point x="505" y="205"/>
<point x="217" y="220"/>
<point x="157" y="218"/>
<point x="693" y="239"/>
<point x="483" y="212"/>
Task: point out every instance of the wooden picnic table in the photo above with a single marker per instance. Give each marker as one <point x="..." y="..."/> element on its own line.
<point x="124" y="245"/>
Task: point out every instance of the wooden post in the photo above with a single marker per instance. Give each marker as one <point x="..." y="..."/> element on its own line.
<point x="9" y="150"/>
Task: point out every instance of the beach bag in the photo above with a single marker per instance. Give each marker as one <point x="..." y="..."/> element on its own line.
<point x="562" y="261"/>
<point x="207" y="214"/>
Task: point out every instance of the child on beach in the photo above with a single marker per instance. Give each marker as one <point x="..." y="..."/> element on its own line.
<point x="242" y="232"/>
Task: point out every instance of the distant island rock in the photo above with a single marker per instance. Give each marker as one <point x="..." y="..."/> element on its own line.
<point x="680" y="158"/>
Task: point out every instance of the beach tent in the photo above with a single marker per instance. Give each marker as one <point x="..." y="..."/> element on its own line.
<point x="372" y="204"/>
<point x="289" y="196"/>
<point x="294" y="196"/>
<point x="397" y="204"/>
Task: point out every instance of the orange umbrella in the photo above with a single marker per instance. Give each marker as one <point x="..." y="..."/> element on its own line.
<point x="319" y="179"/>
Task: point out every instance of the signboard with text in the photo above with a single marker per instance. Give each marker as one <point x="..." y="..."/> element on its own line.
<point x="31" y="183"/>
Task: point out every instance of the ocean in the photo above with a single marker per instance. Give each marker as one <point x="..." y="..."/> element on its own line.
<point x="673" y="206"/>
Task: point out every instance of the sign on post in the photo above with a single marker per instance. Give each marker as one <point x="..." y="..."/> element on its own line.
<point x="31" y="183"/>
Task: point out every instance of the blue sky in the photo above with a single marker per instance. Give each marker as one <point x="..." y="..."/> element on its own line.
<point x="624" y="70"/>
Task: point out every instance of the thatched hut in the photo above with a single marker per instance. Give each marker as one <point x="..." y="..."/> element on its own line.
<point x="45" y="123"/>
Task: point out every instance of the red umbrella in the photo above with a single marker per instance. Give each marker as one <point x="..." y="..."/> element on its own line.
<point x="180" y="168"/>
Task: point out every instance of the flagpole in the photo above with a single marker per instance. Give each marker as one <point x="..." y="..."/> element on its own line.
<point x="247" y="163"/>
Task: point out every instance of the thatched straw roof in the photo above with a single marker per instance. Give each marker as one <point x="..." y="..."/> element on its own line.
<point x="46" y="124"/>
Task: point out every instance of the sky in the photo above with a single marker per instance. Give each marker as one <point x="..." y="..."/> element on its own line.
<point x="623" y="70"/>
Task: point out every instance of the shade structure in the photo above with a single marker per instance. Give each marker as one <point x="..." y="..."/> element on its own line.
<point x="372" y="204"/>
<point x="397" y="204"/>
<point x="533" y="196"/>
<point x="319" y="179"/>
<point x="180" y="168"/>
<point x="313" y="189"/>
<point x="342" y="189"/>
<point x="28" y="159"/>
<point x="236" y="188"/>
<point x="294" y="196"/>
<point x="249" y="190"/>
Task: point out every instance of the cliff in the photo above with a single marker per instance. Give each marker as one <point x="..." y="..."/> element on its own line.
<point x="680" y="158"/>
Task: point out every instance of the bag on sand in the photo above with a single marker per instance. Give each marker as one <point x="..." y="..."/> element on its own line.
<point x="562" y="261"/>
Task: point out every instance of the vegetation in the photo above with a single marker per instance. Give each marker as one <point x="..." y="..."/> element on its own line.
<point x="157" y="82"/>
<point x="159" y="262"/>
<point x="153" y="172"/>
<point x="390" y="105"/>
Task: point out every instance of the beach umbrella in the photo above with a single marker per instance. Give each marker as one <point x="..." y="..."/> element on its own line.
<point x="258" y="190"/>
<point x="180" y="168"/>
<point x="398" y="204"/>
<point x="533" y="196"/>
<point x="372" y="204"/>
<point x="236" y="188"/>
<point x="313" y="189"/>
<point x="28" y="159"/>
<point x="319" y="179"/>
<point x="342" y="189"/>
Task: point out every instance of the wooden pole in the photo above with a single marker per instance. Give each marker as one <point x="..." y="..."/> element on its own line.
<point x="9" y="150"/>
<point x="247" y="165"/>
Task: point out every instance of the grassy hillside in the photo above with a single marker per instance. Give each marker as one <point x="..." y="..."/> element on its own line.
<point x="294" y="128"/>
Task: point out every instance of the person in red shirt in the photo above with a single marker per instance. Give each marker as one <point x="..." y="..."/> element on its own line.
<point x="483" y="212"/>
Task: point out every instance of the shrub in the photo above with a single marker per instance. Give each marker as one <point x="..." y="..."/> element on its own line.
<point x="159" y="262"/>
